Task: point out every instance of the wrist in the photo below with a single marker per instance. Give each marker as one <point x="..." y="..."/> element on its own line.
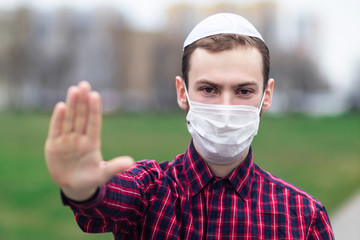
<point x="89" y="203"/>
<point x="80" y="196"/>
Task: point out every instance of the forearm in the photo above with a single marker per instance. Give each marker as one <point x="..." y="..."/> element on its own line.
<point x="117" y="203"/>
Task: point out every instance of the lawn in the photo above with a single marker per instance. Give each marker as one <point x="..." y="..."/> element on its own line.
<point x="319" y="155"/>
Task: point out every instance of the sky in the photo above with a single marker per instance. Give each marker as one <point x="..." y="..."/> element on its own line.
<point x="339" y="36"/>
<point x="339" y="51"/>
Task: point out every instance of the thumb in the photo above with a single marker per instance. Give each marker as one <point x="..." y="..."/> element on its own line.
<point x="117" y="165"/>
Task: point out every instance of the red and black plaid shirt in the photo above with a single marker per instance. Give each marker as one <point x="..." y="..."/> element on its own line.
<point x="183" y="199"/>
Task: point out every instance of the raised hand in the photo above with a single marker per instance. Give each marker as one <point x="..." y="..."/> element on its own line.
<point x="73" y="147"/>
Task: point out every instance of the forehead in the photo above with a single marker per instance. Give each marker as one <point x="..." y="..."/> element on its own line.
<point x="242" y="63"/>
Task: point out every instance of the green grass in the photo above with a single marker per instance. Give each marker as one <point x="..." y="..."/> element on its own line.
<point x="319" y="155"/>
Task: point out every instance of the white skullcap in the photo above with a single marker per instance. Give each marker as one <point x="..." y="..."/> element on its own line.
<point x="221" y="23"/>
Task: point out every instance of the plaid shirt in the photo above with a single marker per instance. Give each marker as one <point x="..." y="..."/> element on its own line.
<point x="183" y="199"/>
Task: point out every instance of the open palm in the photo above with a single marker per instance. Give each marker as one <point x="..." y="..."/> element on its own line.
<point x="73" y="147"/>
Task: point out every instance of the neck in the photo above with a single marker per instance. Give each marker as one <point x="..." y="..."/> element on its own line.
<point x="223" y="170"/>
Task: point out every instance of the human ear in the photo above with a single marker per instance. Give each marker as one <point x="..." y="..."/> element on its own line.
<point x="181" y="95"/>
<point x="268" y="95"/>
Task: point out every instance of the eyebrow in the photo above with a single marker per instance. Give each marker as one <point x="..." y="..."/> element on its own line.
<point x="219" y="86"/>
<point x="208" y="82"/>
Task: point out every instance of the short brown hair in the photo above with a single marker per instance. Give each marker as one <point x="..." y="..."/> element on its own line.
<point x="222" y="42"/>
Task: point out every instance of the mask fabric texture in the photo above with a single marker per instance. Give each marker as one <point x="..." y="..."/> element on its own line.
<point x="222" y="133"/>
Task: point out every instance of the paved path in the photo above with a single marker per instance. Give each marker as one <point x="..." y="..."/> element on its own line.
<point x="346" y="221"/>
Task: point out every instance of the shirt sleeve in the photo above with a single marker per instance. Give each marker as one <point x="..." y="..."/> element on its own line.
<point x="321" y="227"/>
<point x="120" y="204"/>
<point x="92" y="201"/>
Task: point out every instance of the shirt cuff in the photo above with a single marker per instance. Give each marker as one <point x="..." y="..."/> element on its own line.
<point x="95" y="200"/>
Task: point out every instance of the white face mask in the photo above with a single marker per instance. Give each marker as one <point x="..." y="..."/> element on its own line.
<point x="222" y="133"/>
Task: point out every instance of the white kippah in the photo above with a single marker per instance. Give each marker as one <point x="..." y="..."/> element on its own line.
<point x="221" y="23"/>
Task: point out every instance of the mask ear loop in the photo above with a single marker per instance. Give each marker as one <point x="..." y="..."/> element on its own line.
<point x="262" y="101"/>
<point x="187" y="95"/>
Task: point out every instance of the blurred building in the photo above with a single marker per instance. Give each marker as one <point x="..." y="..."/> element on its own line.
<point x="43" y="53"/>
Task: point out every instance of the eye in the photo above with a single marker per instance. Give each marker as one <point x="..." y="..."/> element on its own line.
<point x="208" y="90"/>
<point x="244" y="91"/>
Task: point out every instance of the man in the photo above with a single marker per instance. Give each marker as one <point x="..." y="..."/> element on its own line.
<point x="212" y="191"/>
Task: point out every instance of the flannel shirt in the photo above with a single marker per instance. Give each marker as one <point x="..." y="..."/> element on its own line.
<point x="183" y="199"/>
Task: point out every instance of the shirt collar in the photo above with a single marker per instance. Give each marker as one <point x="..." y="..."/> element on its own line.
<point x="242" y="177"/>
<point x="197" y="171"/>
<point x="199" y="174"/>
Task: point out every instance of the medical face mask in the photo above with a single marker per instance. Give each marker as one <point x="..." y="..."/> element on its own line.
<point x="222" y="133"/>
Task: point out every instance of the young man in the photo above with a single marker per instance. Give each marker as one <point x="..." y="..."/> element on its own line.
<point x="212" y="191"/>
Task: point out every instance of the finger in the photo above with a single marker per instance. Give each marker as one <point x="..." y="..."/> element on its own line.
<point x="116" y="165"/>
<point x="82" y="105"/>
<point x="71" y="99"/>
<point x="56" y="120"/>
<point x="93" y="128"/>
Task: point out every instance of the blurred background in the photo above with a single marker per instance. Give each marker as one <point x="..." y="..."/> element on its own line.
<point x="130" y="51"/>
